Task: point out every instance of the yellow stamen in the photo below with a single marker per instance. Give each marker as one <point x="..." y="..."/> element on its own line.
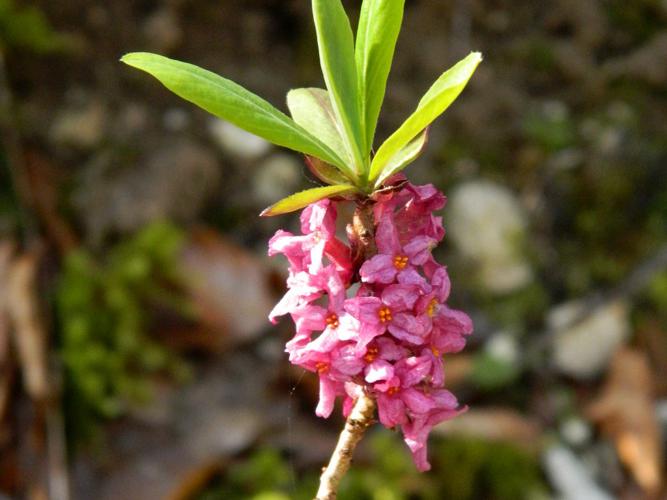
<point x="435" y="352"/>
<point x="392" y="391"/>
<point x="432" y="308"/>
<point x="371" y="354"/>
<point x="400" y="261"/>
<point x="322" y="367"/>
<point x="384" y="314"/>
<point x="332" y="320"/>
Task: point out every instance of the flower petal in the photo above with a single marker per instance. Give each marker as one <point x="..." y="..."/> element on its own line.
<point x="379" y="269"/>
<point x="400" y="297"/>
<point x="379" y="370"/>
<point x="386" y="236"/>
<point x="327" y="397"/>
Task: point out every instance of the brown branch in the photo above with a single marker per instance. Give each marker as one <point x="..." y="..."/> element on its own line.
<point x="362" y="237"/>
<point x="360" y="419"/>
<point x="362" y="233"/>
<point x="10" y="142"/>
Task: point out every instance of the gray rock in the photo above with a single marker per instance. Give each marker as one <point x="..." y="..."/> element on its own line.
<point x="661" y="413"/>
<point x="576" y="431"/>
<point x="132" y="120"/>
<point x="582" y="349"/>
<point x="661" y="410"/>
<point x="645" y="64"/>
<point x="223" y="410"/>
<point x="504" y="347"/>
<point x="227" y="432"/>
<point x="173" y="183"/>
<point x="570" y="476"/>
<point x="488" y="226"/>
<point x="276" y="177"/>
<point x="162" y="30"/>
<point x="236" y="141"/>
<point x="176" y="119"/>
<point x="80" y="124"/>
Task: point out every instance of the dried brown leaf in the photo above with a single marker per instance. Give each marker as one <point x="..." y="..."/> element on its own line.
<point x="231" y="288"/>
<point x="495" y="424"/>
<point x="6" y="253"/>
<point x="30" y="337"/>
<point x="625" y="412"/>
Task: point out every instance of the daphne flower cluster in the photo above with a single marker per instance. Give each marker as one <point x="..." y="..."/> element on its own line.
<point x="381" y="326"/>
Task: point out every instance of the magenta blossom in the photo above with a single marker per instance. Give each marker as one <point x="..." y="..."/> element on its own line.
<point x="393" y="259"/>
<point x="308" y="251"/>
<point x="387" y="337"/>
<point x="416" y="431"/>
<point x="401" y="395"/>
<point x="391" y="311"/>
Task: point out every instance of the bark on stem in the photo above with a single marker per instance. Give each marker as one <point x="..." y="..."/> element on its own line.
<point x="362" y="237"/>
<point x="362" y="234"/>
<point x="359" y="420"/>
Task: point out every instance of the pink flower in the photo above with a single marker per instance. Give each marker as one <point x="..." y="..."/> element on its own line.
<point x="335" y="362"/>
<point x="379" y="355"/>
<point x="393" y="258"/>
<point x="412" y="209"/>
<point x="319" y="222"/>
<point x="398" y="396"/>
<point x="309" y="318"/>
<point x="416" y="431"/>
<point x="303" y="288"/>
<point x="391" y="311"/>
<point x="387" y="340"/>
<point x="450" y="329"/>
<point x="319" y="219"/>
<point x="307" y="252"/>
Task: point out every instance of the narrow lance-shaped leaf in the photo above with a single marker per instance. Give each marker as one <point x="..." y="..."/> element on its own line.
<point x="229" y="101"/>
<point x="336" y="47"/>
<point x="379" y="25"/>
<point x="433" y="104"/>
<point x="325" y="172"/>
<point x="403" y="157"/>
<point x="311" y="108"/>
<point x="305" y="198"/>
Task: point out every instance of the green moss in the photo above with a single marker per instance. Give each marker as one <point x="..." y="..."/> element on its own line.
<point x="551" y="131"/>
<point x="518" y="309"/>
<point x="27" y="28"/>
<point x="462" y="469"/>
<point x="479" y="469"/>
<point x="490" y="373"/>
<point x="103" y="309"/>
<point x="538" y="54"/>
<point x="639" y="19"/>
<point x="657" y="292"/>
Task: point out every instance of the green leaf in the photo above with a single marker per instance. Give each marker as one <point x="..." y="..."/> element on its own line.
<point x="229" y="101"/>
<point x="403" y="157"/>
<point x="336" y="47"/>
<point x="311" y="108"/>
<point x="379" y="25"/>
<point x="305" y="198"/>
<point x="433" y="104"/>
<point x="325" y="172"/>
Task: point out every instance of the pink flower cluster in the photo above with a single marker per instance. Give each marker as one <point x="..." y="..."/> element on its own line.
<point x="385" y="333"/>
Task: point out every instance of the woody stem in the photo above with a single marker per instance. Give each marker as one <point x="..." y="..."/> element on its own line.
<point x="360" y="419"/>
<point x="362" y="233"/>
<point x="362" y="236"/>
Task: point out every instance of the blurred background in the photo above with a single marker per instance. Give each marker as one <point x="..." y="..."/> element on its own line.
<point x="136" y="360"/>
